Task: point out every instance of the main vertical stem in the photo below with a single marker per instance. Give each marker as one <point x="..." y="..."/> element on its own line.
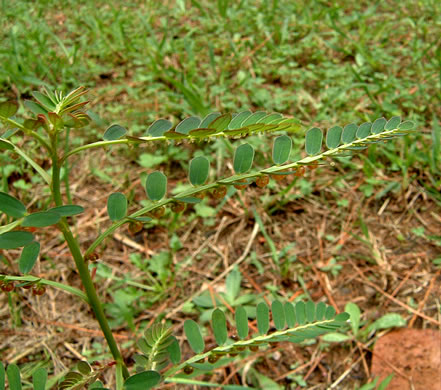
<point x="82" y="268"/>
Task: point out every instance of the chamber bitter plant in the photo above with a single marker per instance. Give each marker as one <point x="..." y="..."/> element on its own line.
<point x="53" y="115"/>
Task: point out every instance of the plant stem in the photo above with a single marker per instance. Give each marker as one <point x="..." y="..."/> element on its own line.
<point x="81" y="265"/>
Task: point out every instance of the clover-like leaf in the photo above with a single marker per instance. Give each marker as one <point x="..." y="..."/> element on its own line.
<point x="28" y="257"/>
<point x="313" y="141"/>
<point x="41" y="219"/>
<point x="281" y="149"/>
<point x="219" y="325"/>
<point x="8" y="109"/>
<point x="194" y="336"/>
<point x="116" y="206"/>
<point x="156" y="185"/>
<point x="11" y="206"/>
<point x="262" y="314"/>
<point x="199" y="169"/>
<point x="159" y="127"/>
<point x="333" y="137"/>
<point x="142" y="381"/>
<point x="114" y="132"/>
<point x="241" y="319"/>
<point x="15" y="239"/>
<point x="243" y="158"/>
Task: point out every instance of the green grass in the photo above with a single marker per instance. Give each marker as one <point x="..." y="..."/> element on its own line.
<point x="323" y="63"/>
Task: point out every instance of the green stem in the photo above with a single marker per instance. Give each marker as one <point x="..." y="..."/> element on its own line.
<point x="81" y="265"/>
<point x="98" y="144"/>
<point x="27" y="131"/>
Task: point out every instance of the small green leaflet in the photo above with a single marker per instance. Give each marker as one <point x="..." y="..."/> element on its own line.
<point x="159" y="127"/>
<point x="143" y="381"/>
<point x="199" y="169"/>
<point x="194" y="336"/>
<point x="281" y="149"/>
<point x="313" y="141"/>
<point x="243" y="158"/>
<point x="262" y="314"/>
<point x="156" y="185"/>
<point x="41" y="219"/>
<point x="117" y="206"/>
<point x="219" y="325"/>
<point x="28" y="257"/>
<point x="11" y="206"/>
<point x="241" y="322"/>
<point x="67" y="210"/>
<point x="114" y="132"/>
<point x="8" y="109"/>
<point x="15" y="239"/>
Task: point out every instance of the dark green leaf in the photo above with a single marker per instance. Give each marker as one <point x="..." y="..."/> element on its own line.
<point x="342" y="317"/>
<point x="290" y="314"/>
<point x="271" y="118"/>
<point x="194" y="336"/>
<point x="200" y="132"/>
<point x="41" y="219"/>
<point x="6" y="145"/>
<point x="67" y="210"/>
<point x="84" y="367"/>
<point x="241" y="322"/>
<point x="35" y="107"/>
<point x="143" y="381"/>
<point x="236" y="122"/>
<point x="310" y="311"/>
<point x="220" y="123"/>
<point x="378" y="126"/>
<point x="39" y="378"/>
<point x="174" y="351"/>
<point x="28" y="257"/>
<point x="219" y="325"/>
<point x="364" y="130"/>
<point x="47" y="103"/>
<point x="281" y="149"/>
<point x="8" y="109"/>
<point x="13" y="373"/>
<point x="199" y="168"/>
<point x="349" y="133"/>
<point x="253" y="118"/>
<point x="313" y="142"/>
<point x="15" y="239"/>
<point x="330" y="313"/>
<point x="188" y="124"/>
<point x="156" y="185"/>
<point x="300" y="313"/>
<point x="278" y="315"/>
<point x="393" y="123"/>
<point x="159" y="127"/>
<point x="333" y="137"/>
<point x="406" y="125"/>
<point x="11" y="206"/>
<point x="208" y="119"/>
<point x="117" y="206"/>
<point x="243" y="158"/>
<point x="114" y="132"/>
<point x="262" y="314"/>
<point x="320" y="311"/>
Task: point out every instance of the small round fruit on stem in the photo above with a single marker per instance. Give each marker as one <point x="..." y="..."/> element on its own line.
<point x="300" y="171"/>
<point x="158" y="212"/>
<point x="135" y="227"/>
<point x="278" y="177"/>
<point x="38" y="289"/>
<point x="178" y="207"/>
<point x="7" y="286"/>
<point x="241" y="186"/>
<point x="262" y="181"/>
<point x="219" y="192"/>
